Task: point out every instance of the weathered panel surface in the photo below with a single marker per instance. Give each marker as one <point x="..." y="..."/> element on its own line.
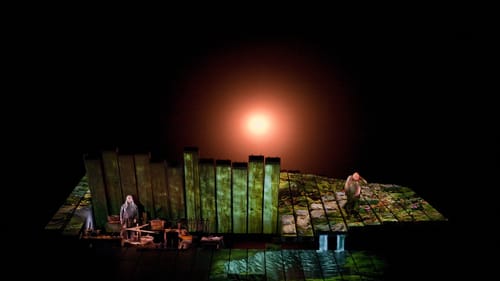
<point x="302" y="216"/>
<point x="98" y="191"/>
<point x="176" y="192"/>
<point x="285" y="208"/>
<point x="112" y="181"/>
<point x="255" y="193"/>
<point x="160" y="193"/>
<point x="240" y="195"/>
<point x="271" y="191"/>
<point x="332" y="208"/>
<point x="127" y="175"/>
<point x="207" y="193"/>
<point x="192" y="183"/>
<point x="223" y="188"/>
<point x="143" y="175"/>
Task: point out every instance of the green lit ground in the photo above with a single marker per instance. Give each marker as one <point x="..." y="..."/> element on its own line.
<point x="315" y="204"/>
<point x="308" y="205"/>
<point x="295" y="264"/>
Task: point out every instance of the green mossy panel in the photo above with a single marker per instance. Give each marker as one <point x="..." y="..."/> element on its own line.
<point x="371" y="196"/>
<point x="285" y="208"/>
<point x="326" y="190"/>
<point x="60" y="218"/>
<point x="255" y="263"/>
<point x="285" y="203"/>
<point x="240" y="195"/>
<point x="400" y="213"/>
<point x="400" y="206"/>
<point x="341" y="198"/>
<point x="218" y="266"/>
<point x="292" y="265"/>
<point x="176" y="192"/>
<point x="301" y="208"/>
<point x="239" y="257"/>
<point x="319" y="220"/>
<point x="310" y="265"/>
<point x="223" y="191"/>
<point x="207" y="194"/>
<point x="334" y="278"/>
<point x="416" y="206"/>
<point x="81" y="198"/>
<point x="354" y="222"/>
<point x="98" y="191"/>
<point x="76" y="224"/>
<point x="160" y="192"/>
<point x="367" y="269"/>
<point x="418" y="215"/>
<point x="351" y="277"/>
<point x="347" y="266"/>
<point x="329" y="265"/>
<point x="379" y="265"/>
<point x="274" y="266"/>
<point x="305" y="203"/>
<point x="362" y="262"/>
<point x="386" y="213"/>
<point x="127" y="175"/>
<point x="143" y="179"/>
<point x="112" y="181"/>
<point x="270" y="199"/>
<point x="431" y="212"/>
<point x="367" y="215"/>
<point x="64" y="219"/>
<point x="255" y="193"/>
<point x="389" y="202"/>
<point x="191" y="183"/>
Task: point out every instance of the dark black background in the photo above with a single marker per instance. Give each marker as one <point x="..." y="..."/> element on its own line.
<point x="427" y="118"/>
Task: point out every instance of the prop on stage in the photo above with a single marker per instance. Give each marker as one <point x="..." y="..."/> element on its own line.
<point x="217" y="241"/>
<point x="137" y="238"/>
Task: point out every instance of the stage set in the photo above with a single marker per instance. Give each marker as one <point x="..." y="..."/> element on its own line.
<point x="247" y="220"/>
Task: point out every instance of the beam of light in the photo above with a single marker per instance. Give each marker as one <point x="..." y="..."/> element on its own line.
<point x="258" y="124"/>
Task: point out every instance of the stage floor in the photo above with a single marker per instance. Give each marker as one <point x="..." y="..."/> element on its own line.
<point x="397" y="236"/>
<point x="308" y="205"/>
<point x="392" y="255"/>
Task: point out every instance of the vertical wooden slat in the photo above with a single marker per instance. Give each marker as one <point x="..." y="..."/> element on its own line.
<point x="255" y="192"/>
<point x="143" y="176"/>
<point x="271" y="192"/>
<point x="127" y="175"/>
<point x="112" y="181"/>
<point x="207" y="194"/>
<point x="95" y="176"/>
<point x="159" y="186"/>
<point x="223" y="189"/>
<point x="192" y="183"/>
<point x="176" y="192"/>
<point x="240" y="196"/>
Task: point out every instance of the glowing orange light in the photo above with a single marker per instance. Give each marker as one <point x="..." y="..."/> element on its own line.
<point x="258" y="124"/>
